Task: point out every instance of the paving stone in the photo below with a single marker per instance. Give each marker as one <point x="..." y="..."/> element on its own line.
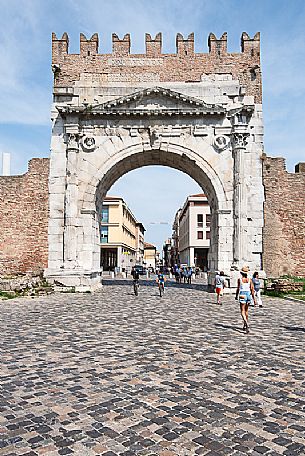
<point x="120" y="375"/>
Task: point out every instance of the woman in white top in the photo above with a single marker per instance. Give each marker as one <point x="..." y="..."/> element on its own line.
<point x="244" y="292"/>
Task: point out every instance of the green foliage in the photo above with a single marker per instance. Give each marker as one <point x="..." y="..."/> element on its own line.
<point x="8" y="294"/>
<point x="68" y="290"/>
<point x="294" y="278"/>
<point x="274" y="294"/>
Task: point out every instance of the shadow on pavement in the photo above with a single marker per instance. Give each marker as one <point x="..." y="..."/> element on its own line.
<point x="152" y="283"/>
<point x="294" y="328"/>
<point x="234" y="328"/>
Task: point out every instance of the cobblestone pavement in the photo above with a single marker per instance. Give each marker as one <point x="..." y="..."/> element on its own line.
<point x="115" y="374"/>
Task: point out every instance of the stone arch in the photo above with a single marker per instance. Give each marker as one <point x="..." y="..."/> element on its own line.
<point x="178" y="157"/>
<point x="174" y="156"/>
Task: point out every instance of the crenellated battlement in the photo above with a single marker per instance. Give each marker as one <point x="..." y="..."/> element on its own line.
<point x="184" y="46"/>
<point x="186" y="65"/>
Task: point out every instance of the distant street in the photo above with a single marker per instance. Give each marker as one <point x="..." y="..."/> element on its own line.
<point x="114" y="374"/>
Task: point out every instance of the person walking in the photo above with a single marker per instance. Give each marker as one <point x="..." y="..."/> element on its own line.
<point x="257" y="286"/>
<point x="177" y="275"/>
<point x="184" y="274"/>
<point x="161" y="282"/>
<point x="189" y="273"/>
<point x="219" y="285"/>
<point x="136" y="277"/>
<point x="244" y="292"/>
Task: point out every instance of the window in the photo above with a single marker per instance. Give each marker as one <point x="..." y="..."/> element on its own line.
<point x="104" y="234"/>
<point x="199" y="234"/>
<point x="200" y="220"/>
<point x="208" y="219"/>
<point x="105" y="214"/>
<point x="208" y="235"/>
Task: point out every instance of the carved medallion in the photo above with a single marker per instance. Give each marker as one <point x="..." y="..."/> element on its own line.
<point x="221" y="142"/>
<point x="88" y="143"/>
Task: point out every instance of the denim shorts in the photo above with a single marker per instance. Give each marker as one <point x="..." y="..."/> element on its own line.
<point x="245" y="297"/>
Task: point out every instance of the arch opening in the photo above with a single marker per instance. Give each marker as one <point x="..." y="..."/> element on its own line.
<point x="178" y="161"/>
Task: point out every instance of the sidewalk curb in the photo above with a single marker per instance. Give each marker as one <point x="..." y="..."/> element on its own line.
<point x="294" y="299"/>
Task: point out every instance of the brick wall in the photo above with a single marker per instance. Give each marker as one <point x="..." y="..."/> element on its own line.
<point x="153" y="66"/>
<point x="284" y="212"/>
<point x="24" y="219"/>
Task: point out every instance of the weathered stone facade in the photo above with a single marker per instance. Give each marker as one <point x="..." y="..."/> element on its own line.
<point x="284" y="214"/>
<point x="154" y="67"/>
<point x="24" y="220"/>
<point x="199" y="113"/>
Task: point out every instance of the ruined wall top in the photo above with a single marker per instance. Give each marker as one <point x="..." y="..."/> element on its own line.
<point x="185" y="65"/>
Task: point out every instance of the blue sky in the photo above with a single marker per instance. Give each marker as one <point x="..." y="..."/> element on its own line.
<point x="26" y="78"/>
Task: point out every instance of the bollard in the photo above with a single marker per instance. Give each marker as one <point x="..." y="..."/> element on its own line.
<point x="112" y="275"/>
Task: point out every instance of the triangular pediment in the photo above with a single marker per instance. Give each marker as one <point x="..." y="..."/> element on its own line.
<point x="157" y="99"/>
<point x="153" y="101"/>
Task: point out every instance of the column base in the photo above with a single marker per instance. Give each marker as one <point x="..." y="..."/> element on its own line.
<point x="78" y="279"/>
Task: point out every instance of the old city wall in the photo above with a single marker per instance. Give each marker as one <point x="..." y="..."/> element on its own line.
<point x="24" y="219"/>
<point x="155" y="67"/>
<point x="284" y="224"/>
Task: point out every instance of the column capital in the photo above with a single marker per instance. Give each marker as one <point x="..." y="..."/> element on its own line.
<point x="239" y="140"/>
<point x="72" y="140"/>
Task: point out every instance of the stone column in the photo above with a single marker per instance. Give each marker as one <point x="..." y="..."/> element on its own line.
<point x="70" y="202"/>
<point x="239" y="142"/>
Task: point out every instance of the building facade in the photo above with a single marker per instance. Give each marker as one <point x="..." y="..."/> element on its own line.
<point x="167" y="253"/>
<point x="175" y="255"/>
<point x="199" y="113"/>
<point x="140" y="243"/>
<point x="194" y="232"/>
<point x="150" y="255"/>
<point x="121" y="236"/>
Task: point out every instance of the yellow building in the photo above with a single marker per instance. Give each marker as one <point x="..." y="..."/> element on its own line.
<point x="150" y="253"/>
<point x="121" y="235"/>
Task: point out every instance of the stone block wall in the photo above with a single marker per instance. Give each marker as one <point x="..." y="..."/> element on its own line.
<point x="284" y="212"/>
<point x="24" y="219"/>
<point x="154" y="67"/>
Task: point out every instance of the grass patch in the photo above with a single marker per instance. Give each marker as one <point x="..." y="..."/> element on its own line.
<point x="295" y="279"/>
<point x="274" y="294"/>
<point x="8" y="294"/>
<point x="296" y="296"/>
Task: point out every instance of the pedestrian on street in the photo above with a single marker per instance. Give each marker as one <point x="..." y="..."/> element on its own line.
<point x="180" y="274"/>
<point x="189" y="273"/>
<point x="184" y="275"/>
<point x="257" y="286"/>
<point x="244" y="292"/>
<point x="219" y="285"/>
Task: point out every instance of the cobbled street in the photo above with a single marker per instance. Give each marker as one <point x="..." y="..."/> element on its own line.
<point x="114" y="374"/>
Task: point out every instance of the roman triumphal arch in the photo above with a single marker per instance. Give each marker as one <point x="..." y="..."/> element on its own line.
<point x="112" y="113"/>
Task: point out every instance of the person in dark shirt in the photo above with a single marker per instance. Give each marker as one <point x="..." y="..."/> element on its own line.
<point x="135" y="274"/>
